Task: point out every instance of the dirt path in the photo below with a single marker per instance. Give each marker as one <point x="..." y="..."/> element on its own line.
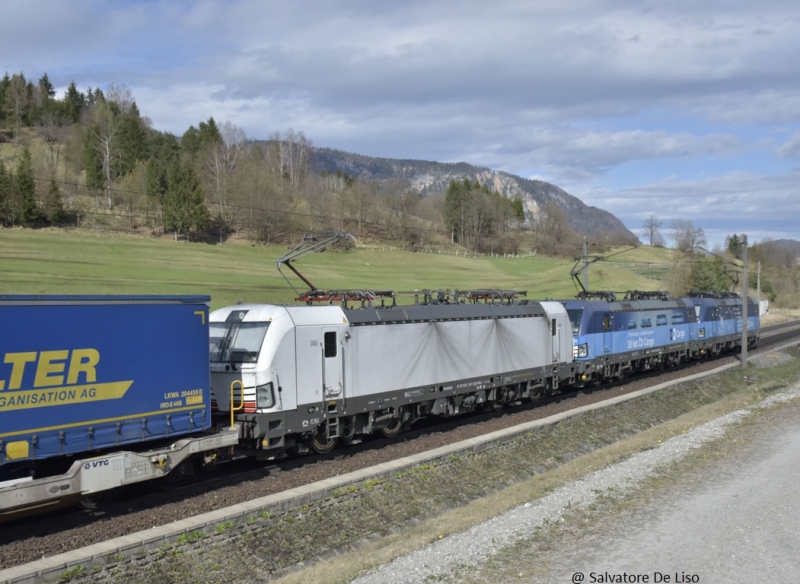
<point x="739" y="523"/>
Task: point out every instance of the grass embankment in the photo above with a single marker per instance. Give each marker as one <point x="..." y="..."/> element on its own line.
<point x="51" y="261"/>
<point x="382" y="520"/>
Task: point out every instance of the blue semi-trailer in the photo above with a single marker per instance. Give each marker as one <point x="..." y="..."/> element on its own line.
<point x="101" y="391"/>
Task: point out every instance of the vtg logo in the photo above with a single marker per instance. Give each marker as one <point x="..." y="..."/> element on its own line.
<point x="95" y="464"/>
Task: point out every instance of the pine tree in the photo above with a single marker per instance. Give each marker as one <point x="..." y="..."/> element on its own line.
<point x="735" y="245"/>
<point x="156" y="181"/>
<point x="17" y="101"/>
<point x="5" y="193"/>
<point x="26" y="189"/>
<point x="74" y="102"/>
<point x="184" y="209"/>
<point x="709" y="273"/>
<point x="209" y="133"/>
<point x="43" y="102"/>
<point x="518" y="211"/>
<point x="163" y="146"/>
<point x="190" y="141"/>
<point x="46" y="88"/>
<point x="130" y="142"/>
<point x="53" y="205"/>
<point x="92" y="161"/>
<point x="5" y="82"/>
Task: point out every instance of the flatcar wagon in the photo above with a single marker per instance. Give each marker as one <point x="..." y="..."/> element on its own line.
<point x="100" y="391"/>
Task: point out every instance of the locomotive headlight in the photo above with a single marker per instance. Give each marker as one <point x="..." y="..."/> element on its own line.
<point x="264" y="396"/>
<point x="583" y="350"/>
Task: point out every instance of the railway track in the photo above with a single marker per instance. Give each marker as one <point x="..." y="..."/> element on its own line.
<point x="125" y="512"/>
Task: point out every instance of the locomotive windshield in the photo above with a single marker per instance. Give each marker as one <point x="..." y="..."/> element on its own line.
<point x="575" y="315"/>
<point x="237" y="342"/>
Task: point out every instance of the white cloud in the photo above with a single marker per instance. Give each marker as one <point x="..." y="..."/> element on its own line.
<point x="601" y="150"/>
<point x="763" y="206"/>
<point x="570" y="91"/>
<point x="790" y="148"/>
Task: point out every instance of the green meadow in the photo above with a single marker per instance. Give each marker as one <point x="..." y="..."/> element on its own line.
<point x="51" y="261"/>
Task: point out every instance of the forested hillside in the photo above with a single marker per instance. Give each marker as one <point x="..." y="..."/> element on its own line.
<point x="91" y="158"/>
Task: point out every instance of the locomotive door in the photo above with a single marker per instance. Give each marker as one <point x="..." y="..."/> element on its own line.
<point x="608" y="327"/>
<point x="555" y="329"/>
<point x="331" y="365"/>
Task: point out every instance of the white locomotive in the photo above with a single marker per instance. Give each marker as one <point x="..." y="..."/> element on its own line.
<point x="304" y="377"/>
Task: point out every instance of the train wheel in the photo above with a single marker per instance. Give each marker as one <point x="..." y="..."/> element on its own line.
<point x="393" y="429"/>
<point x="321" y="444"/>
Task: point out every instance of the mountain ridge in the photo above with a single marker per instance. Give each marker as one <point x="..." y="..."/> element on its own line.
<point x="429" y="177"/>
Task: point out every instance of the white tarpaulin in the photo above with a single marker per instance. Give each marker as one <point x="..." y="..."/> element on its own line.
<point x="395" y="356"/>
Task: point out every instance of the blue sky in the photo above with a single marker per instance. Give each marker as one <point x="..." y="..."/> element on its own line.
<point x="684" y="110"/>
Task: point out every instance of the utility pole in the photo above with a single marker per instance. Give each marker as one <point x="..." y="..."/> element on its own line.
<point x="744" y="303"/>
<point x="758" y="288"/>
<point x="585" y="267"/>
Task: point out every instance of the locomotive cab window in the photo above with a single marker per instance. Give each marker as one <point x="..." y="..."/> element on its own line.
<point x="238" y="342"/>
<point x="575" y="316"/>
<point x="607" y="322"/>
<point x="330" y="344"/>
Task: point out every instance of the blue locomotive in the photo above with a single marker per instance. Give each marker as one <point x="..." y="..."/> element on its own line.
<point x="645" y="330"/>
<point x="719" y="327"/>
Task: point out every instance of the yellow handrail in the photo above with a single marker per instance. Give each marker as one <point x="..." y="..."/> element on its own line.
<point x="230" y="403"/>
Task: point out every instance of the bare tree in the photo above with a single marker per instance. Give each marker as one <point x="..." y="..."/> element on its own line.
<point x="120" y="95"/>
<point x="53" y="129"/>
<point x="221" y="162"/>
<point x="399" y="200"/>
<point x="552" y="228"/>
<point x="652" y="228"/>
<point x="687" y="237"/>
<point x="276" y="157"/>
<point x="17" y="100"/>
<point x="102" y="133"/>
<point x="288" y="157"/>
<point x="298" y="162"/>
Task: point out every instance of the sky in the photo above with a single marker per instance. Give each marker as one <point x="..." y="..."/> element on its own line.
<point x="675" y="109"/>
